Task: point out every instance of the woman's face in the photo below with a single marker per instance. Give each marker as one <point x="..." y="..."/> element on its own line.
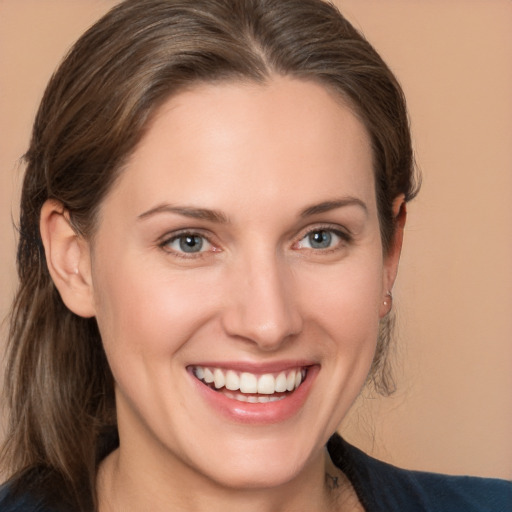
<point x="241" y="245"/>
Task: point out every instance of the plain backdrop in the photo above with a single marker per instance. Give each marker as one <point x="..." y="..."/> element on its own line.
<point x="453" y="408"/>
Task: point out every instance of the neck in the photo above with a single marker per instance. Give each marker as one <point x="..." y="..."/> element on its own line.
<point x="133" y="488"/>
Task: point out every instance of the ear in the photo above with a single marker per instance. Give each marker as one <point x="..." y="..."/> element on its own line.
<point x="392" y="257"/>
<point x="68" y="258"/>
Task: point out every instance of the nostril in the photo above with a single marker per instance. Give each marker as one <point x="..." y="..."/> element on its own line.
<point x="261" y="307"/>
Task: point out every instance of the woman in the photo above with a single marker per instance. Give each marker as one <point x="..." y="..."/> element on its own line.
<point x="211" y="223"/>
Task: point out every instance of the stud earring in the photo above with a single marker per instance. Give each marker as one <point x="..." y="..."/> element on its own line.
<point x="389" y="300"/>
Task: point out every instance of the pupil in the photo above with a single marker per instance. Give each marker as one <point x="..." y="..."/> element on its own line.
<point x="191" y="243"/>
<point x="320" y="239"/>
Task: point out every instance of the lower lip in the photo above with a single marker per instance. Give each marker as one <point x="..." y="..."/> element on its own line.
<point x="258" y="413"/>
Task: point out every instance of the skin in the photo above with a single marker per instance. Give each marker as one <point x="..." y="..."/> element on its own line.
<point x="259" y="156"/>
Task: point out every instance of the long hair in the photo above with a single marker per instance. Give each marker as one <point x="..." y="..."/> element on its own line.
<point x="59" y="388"/>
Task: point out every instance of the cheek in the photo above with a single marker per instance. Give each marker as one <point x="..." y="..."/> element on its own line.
<point x="145" y="311"/>
<point x="342" y="303"/>
<point x="347" y="298"/>
<point x="345" y="307"/>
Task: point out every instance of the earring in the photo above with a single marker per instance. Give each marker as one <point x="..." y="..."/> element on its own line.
<point x="389" y="300"/>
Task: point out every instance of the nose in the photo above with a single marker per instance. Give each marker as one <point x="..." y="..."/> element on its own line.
<point x="262" y="306"/>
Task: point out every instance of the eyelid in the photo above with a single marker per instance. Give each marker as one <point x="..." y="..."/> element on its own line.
<point x="164" y="242"/>
<point x="343" y="233"/>
<point x="334" y="228"/>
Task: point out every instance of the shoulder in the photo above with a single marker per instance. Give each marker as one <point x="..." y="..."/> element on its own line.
<point x="15" y="498"/>
<point x="382" y="487"/>
<point x="18" y="502"/>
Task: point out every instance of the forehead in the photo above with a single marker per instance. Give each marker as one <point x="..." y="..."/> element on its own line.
<point x="285" y="138"/>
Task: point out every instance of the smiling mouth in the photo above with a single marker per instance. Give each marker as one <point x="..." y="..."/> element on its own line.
<point x="250" y="387"/>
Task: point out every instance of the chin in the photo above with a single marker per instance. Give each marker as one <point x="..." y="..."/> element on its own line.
<point x="255" y="475"/>
<point x="259" y="464"/>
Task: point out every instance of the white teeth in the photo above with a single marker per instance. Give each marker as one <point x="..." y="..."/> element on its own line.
<point x="232" y="380"/>
<point x="208" y="376"/>
<point x="266" y="384"/>
<point x="218" y="378"/>
<point x="298" y="379"/>
<point x="248" y="383"/>
<point x="281" y="383"/>
<point x="290" y="381"/>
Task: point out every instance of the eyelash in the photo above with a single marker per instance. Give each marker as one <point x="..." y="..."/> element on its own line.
<point x="165" y="244"/>
<point x="345" y="238"/>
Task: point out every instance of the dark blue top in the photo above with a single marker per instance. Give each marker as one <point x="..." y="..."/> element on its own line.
<point x="380" y="487"/>
<point x="22" y="503"/>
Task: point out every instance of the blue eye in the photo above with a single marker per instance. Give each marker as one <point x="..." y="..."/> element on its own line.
<point x="189" y="243"/>
<point x="320" y="239"/>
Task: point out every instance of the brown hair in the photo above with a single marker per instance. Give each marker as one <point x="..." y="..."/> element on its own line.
<point x="59" y="387"/>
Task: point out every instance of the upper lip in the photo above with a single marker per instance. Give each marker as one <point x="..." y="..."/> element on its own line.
<point x="256" y="367"/>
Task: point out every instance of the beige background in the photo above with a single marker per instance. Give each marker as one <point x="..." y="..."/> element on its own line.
<point x="453" y="409"/>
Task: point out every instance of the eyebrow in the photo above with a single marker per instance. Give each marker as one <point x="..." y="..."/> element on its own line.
<point x="187" y="211"/>
<point x="220" y="218"/>
<point x="332" y="205"/>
